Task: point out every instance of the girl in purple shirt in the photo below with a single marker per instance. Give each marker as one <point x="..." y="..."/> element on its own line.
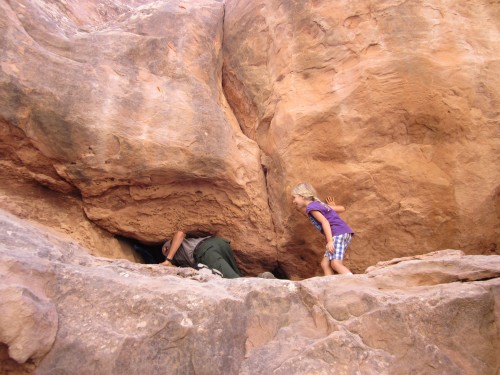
<point x="324" y="217"/>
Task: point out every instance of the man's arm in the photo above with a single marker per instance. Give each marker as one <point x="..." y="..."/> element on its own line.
<point x="174" y="246"/>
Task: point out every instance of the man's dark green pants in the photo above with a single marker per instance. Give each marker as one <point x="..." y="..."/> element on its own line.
<point x="216" y="253"/>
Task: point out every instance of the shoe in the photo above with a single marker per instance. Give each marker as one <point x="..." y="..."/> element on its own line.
<point x="202" y="266"/>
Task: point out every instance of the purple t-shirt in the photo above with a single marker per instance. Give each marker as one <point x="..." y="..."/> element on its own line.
<point x="336" y="223"/>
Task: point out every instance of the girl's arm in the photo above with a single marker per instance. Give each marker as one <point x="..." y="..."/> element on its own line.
<point x="174" y="246"/>
<point x="331" y="202"/>
<point x="327" y="229"/>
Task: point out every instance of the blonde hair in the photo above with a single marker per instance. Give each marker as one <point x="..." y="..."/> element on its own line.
<point x="307" y="191"/>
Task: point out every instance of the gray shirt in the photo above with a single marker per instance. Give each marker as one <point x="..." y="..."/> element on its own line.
<point x="187" y="247"/>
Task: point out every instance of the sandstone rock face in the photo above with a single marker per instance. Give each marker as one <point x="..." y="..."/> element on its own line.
<point x="121" y="102"/>
<point x="390" y="106"/>
<point x="434" y="314"/>
<point x="145" y="117"/>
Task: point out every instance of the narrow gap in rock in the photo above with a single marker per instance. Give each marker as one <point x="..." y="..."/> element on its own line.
<point x="279" y="272"/>
<point x="468" y="280"/>
<point x="264" y="156"/>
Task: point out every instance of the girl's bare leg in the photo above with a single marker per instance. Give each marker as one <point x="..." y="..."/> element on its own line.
<point x="327" y="269"/>
<point x="339" y="267"/>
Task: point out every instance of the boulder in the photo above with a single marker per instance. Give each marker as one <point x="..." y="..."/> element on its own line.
<point x="28" y="322"/>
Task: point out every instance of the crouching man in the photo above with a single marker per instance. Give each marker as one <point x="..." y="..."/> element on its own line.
<point x="214" y="252"/>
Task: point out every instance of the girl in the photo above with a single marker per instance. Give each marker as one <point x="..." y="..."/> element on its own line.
<point x="324" y="217"/>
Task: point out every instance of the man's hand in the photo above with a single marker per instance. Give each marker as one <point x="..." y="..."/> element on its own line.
<point x="167" y="263"/>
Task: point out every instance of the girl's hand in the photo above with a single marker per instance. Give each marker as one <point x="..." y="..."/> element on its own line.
<point x="329" y="247"/>
<point x="330" y="201"/>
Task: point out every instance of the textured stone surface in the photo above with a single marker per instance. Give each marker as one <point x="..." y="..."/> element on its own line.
<point x="390" y="106"/>
<point x="121" y="102"/>
<point x="28" y="323"/>
<point x="435" y="314"/>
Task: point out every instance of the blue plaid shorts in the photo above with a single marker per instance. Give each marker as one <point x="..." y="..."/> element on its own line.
<point x="340" y="244"/>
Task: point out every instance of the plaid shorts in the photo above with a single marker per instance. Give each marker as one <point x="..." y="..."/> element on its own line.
<point x="340" y="244"/>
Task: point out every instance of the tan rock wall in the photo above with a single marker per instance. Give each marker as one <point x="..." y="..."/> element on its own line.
<point x="390" y="106"/>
